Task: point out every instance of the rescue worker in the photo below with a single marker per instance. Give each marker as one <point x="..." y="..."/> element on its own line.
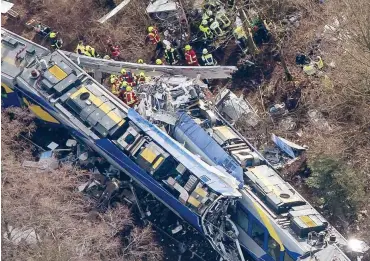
<point x="126" y="77"/>
<point x="207" y="33"/>
<point x="116" y="87"/>
<point x="91" y="51"/>
<point x="115" y="52"/>
<point x="190" y="56"/>
<point x="171" y="55"/>
<point x="241" y="38"/>
<point x="122" y="91"/>
<point x="208" y="16"/>
<point x="141" y="78"/>
<point x="216" y="29"/>
<point x="223" y="19"/>
<point x="154" y="38"/>
<point x="80" y="49"/>
<point x="153" y="35"/>
<point x="130" y="97"/>
<point x="112" y="78"/>
<point x="55" y="43"/>
<point x="207" y="58"/>
<point x="158" y="62"/>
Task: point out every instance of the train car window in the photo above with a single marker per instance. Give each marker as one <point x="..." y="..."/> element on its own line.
<point x="258" y="234"/>
<point x="242" y="220"/>
<point x="273" y="248"/>
<point x="287" y="257"/>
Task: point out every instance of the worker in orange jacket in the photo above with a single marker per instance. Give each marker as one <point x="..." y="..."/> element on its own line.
<point x="130" y="97"/>
<point x="190" y="56"/>
<point x="153" y="35"/>
<point x="115" y="87"/>
<point x="141" y="79"/>
<point x="154" y="38"/>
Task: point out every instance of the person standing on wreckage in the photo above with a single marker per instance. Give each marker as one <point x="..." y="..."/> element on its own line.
<point x="154" y="38"/>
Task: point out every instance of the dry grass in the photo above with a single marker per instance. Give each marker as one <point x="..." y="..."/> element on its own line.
<point x="77" y="20"/>
<point x="49" y="203"/>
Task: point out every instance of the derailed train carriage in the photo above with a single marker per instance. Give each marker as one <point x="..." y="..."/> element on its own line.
<point x="218" y="183"/>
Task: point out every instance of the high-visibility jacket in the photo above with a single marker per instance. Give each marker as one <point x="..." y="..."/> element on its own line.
<point x="215" y="27"/>
<point x="80" y="49"/>
<point x="90" y="50"/>
<point x="191" y="58"/>
<point x="208" y="60"/>
<point x="115" y="88"/>
<point x="171" y="56"/>
<point x="140" y="79"/>
<point x="56" y="43"/>
<point x="223" y="19"/>
<point x="153" y="37"/>
<point x="207" y="17"/>
<point x="130" y="98"/>
<point x="207" y="33"/>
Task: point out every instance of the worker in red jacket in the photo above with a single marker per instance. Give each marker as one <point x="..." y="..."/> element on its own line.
<point x="115" y="52"/>
<point x="154" y="38"/>
<point x="130" y="97"/>
<point x="190" y="56"/>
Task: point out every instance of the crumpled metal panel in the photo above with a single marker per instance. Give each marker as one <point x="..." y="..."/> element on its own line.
<point x="199" y="142"/>
<point x="211" y="176"/>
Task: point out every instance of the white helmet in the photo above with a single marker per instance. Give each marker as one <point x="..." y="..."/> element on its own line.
<point x="204" y="22"/>
<point x="205" y="51"/>
<point x="209" y="12"/>
<point x="168" y="47"/>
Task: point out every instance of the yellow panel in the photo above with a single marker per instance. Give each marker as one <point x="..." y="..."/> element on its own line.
<point x="9" y="60"/>
<point x="95" y="100"/>
<point x="308" y="221"/>
<point x="40" y="112"/>
<point x="265" y="220"/>
<point x="226" y="132"/>
<point x="114" y="117"/>
<point x="79" y="91"/>
<point x="201" y="192"/>
<point x="156" y="164"/>
<point x="121" y="122"/>
<point x="105" y="108"/>
<point x="7" y="88"/>
<point x="57" y="72"/>
<point x="193" y="201"/>
<point x="148" y="155"/>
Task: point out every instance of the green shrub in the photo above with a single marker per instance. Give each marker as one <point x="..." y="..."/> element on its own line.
<point x="337" y="186"/>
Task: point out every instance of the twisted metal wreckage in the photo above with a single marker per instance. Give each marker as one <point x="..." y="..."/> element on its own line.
<point x="178" y="146"/>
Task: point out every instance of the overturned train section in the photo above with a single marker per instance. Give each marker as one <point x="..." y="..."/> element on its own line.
<point x="179" y="148"/>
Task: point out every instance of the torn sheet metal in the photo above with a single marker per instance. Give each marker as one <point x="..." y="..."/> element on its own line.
<point x="114" y="11"/>
<point x="233" y="108"/>
<point x="6" y="6"/>
<point x="287" y="146"/>
<point x="168" y="94"/>
<point x="109" y="66"/>
<point x="161" y="6"/>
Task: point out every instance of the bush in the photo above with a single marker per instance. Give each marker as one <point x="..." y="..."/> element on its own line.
<point x="341" y="190"/>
